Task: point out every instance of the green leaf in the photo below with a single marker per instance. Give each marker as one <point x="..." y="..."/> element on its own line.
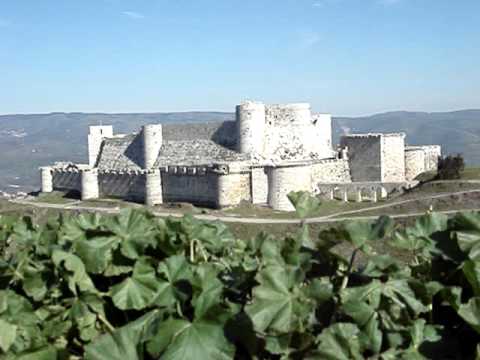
<point x="278" y="304"/>
<point x="124" y="343"/>
<point x="211" y="290"/>
<point x="135" y="230"/>
<point x="46" y="353"/>
<point x="339" y="342"/>
<point x="419" y="236"/>
<point x="320" y="290"/>
<point x="466" y="228"/>
<point x="471" y="270"/>
<point x="77" y="275"/>
<point x="362" y="232"/>
<point x="138" y="291"/>
<point x="96" y="252"/>
<point x="184" y="340"/>
<point x="175" y="270"/>
<point x="470" y="312"/>
<point x="305" y="204"/>
<point x="8" y="334"/>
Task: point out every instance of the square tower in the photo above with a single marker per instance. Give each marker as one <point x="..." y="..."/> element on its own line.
<point x="376" y="157"/>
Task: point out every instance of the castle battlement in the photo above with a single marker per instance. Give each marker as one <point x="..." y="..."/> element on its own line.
<point x="267" y="152"/>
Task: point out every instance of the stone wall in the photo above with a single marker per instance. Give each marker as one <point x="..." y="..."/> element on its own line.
<point x="66" y="180"/>
<point x="285" y="179"/>
<point x="364" y="156"/>
<point x="283" y="132"/>
<point x="393" y="157"/>
<point x="432" y="155"/>
<point x="128" y="186"/>
<point x="414" y="162"/>
<point x="196" y="189"/>
<point x="259" y="186"/>
<point x="331" y="171"/>
<point x="232" y="189"/>
<point x="292" y="133"/>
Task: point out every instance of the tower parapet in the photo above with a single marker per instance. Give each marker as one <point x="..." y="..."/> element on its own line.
<point x="152" y="142"/>
<point x="95" y="139"/>
<point x="250" y="117"/>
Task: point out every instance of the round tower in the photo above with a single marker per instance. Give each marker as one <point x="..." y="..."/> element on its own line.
<point x="282" y="180"/>
<point x="46" y="179"/>
<point x="90" y="188"/>
<point x="153" y="188"/>
<point x="251" y="127"/>
<point x="152" y="142"/>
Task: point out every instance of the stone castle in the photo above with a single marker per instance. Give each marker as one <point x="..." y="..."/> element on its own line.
<point x="267" y="152"/>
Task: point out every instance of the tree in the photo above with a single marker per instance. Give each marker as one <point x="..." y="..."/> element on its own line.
<point x="450" y="167"/>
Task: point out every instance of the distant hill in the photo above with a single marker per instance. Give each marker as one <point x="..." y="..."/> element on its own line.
<point x="29" y="141"/>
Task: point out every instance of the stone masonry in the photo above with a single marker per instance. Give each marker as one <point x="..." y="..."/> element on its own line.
<point x="267" y="152"/>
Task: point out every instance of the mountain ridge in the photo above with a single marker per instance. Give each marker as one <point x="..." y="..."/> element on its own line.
<point x="28" y="141"/>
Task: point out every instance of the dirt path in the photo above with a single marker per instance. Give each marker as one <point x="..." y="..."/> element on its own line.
<point x="336" y="217"/>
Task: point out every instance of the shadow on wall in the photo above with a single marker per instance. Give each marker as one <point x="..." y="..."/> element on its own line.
<point x="134" y="151"/>
<point x="226" y="135"/>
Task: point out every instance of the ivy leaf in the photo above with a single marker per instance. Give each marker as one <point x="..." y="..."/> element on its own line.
<point x="470" y="312"/>
<point x="96" y="253"/>
<point x="214" y="236"/>
<point x="176" y="272"/>
<point x="419" y="236"/>
<point x="135" y="231"/>
<point x="362" y="232"/>
<point x="79" y="227"/>
<point x="34" y="285"/>
<point x="124" y="343"/>
<point x="137" y="291"/>
<point x="305" y="204"/>
<point x="471" y="270"/>
<point x="321" y="291"/>
<point x="278" y="304"/>
<point x="467" y="233"/>
<point x="8" y="334"/>
<point x="77" y="276"/>
<point x="46" y="353"/>
<point x="211" y="290"/>
<point x="339" y="342"/>
<point x="184" y="340"/>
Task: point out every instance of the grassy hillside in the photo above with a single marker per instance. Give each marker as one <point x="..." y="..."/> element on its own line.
<point x="29" y="141"/>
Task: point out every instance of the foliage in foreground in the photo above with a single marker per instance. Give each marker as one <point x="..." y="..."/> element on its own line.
<point x="135" y="287"/>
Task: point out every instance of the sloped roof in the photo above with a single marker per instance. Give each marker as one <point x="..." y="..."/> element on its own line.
<point x="122" y="153"/>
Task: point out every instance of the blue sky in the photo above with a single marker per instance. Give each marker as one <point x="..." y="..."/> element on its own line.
<point x="347" y="57"/>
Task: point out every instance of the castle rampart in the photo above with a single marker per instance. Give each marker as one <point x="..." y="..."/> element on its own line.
<point x="268" y="152"/>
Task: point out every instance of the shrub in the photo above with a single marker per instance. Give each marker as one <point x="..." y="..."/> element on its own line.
<point x="136" y="287"/>
<point x="450" y="167"/>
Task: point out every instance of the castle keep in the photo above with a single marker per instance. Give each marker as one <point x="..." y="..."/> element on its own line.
<point x="267" y="152"/>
